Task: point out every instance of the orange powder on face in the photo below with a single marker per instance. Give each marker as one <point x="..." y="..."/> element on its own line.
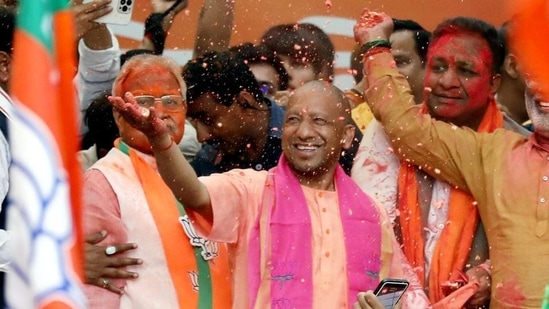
<point x="529" y="40"/>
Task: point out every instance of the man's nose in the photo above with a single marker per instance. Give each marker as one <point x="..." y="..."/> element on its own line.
<point x="159" y="106"/>
<point x="450" y="79"/>
<point x="304" y="130"/>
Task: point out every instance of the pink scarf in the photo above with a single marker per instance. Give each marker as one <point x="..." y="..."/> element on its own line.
<point x="281" y="241"/>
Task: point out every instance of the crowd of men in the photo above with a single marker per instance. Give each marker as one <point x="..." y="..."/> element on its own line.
<point x="246" y="179"/>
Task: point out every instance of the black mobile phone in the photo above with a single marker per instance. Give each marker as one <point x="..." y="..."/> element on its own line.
<point x="389" y="291"/>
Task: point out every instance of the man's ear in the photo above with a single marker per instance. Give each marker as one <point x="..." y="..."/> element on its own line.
<point x="246" y="100"/>
<point x="348" y="136"/>
<point x="510" y="66"/>
<point x="5" y="68"/>
<point x="495" y="81"/>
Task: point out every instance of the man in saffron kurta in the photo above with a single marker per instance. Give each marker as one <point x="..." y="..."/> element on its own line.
<point x="238" y="199"/>
<point x="505" y="172"/>
<point x="302" y="234"/>
<point x="123" y="193"/>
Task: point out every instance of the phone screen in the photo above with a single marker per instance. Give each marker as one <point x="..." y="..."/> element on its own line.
<point x="389" y="292"/>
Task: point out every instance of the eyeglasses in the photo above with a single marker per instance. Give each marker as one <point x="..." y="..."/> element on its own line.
<point x="171" y="102"/>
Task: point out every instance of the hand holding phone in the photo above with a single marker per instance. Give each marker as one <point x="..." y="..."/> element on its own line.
<point x="121" y="13"/>
<point x="389" y="291"/>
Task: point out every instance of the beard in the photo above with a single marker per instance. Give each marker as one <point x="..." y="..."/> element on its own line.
<point x="539" y="118"/>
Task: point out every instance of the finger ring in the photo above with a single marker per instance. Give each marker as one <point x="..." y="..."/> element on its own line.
<point x="110" y="250"/>
<point x="105" y="283"/>
<point x="145" y="112"/>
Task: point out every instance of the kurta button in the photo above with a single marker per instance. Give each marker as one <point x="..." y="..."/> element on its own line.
<point x="542" y="200"/>
<point x="545" y="178"/>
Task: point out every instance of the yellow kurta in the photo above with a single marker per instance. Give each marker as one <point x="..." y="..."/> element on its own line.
<point x="507" y="174"/>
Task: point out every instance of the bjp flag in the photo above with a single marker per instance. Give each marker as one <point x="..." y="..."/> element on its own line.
<point x="43" y="202"/>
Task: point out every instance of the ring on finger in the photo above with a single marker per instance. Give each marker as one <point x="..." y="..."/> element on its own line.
<point x="110" y="250"/>
<point x="145" y="112"/>
<point x="105" y="283"/>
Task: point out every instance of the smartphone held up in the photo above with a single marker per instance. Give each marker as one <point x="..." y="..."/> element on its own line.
<point x="121" y="13"/>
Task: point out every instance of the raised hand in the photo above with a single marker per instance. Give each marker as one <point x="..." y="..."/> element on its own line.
<point x="372" y="26"/>
<point x="86" y="13"/>
<point x="144" y="119"/>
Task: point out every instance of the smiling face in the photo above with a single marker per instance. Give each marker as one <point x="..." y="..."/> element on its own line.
<point x="157" y="82"/>
<point x="316" y="129"/>
<point x="538" y="109"/>
<point x="460" y="77"/>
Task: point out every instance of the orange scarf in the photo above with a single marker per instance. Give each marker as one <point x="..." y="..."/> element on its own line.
<point x="453" y="247"/>
<point x="179" y="253"/>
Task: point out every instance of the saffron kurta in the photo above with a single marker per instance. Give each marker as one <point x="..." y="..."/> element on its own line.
<point x="236" y="198"/>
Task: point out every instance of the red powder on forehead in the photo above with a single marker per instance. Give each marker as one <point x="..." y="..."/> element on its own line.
<point x="481" y="54"/>
<point x="463" y="49"/>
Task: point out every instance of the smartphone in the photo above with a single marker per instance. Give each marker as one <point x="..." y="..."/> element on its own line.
<point x="389" y="291"/>
<point x="121" y="13"/>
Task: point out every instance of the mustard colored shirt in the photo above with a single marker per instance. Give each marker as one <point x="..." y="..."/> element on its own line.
<point x="507" y="173"/>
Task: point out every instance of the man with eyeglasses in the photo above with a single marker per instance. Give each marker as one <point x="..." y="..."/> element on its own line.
<point x="124" y="194"/>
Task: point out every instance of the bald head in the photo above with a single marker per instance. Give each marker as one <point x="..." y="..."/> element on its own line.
<point x="327" y="89"/>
